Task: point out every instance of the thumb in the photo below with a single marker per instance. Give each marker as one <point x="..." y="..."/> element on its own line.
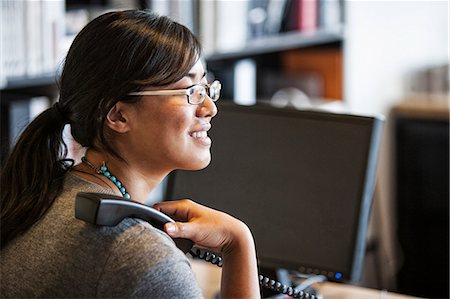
<point x="178" y="230"/>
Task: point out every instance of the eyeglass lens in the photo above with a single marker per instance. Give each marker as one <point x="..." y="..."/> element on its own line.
<point x="198" y="93"/>
<point x="214" y="90"/>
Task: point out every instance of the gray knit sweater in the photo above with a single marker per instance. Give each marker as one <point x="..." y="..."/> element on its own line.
<point x="62" y="256"/>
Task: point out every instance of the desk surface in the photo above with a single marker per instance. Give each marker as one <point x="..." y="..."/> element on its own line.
<point x="208" y="277"/>
<point x="436" y="108"/>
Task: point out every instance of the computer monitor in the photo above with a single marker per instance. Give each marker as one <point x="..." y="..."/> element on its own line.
<point x="302" y="181"/>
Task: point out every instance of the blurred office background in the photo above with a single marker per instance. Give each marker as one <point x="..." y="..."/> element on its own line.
<point x="364" y="57"/>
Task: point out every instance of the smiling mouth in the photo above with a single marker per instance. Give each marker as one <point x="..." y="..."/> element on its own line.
<point x="199" y="135"/>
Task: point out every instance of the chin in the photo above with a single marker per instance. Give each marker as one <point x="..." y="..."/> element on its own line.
<point x="201" y="166"/>
<point x="198" y="164"/>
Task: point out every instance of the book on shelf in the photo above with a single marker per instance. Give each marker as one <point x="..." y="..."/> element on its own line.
<point x="12" y="42"/>
<point x="31" y="32"/>
<point x="257" y="18"/>
<point x="254" y="20"/>
<point x="330" y="14"/>
<point x="276" y="11"/>
<point x="33" y="36"/>
<point x="182" y="11"/>
<point x="207" y="25"/>
<point x="290" y="19"/>
<point x="53" y="32"/>
<point x="222" y="25"/>
<point x="231" y="25"/>
<point x="307" y="15"/>
<point x="22" y="112"/>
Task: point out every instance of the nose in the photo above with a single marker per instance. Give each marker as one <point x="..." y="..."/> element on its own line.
<point x="207" y="109"/>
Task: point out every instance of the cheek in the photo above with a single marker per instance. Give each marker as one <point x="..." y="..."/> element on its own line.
<point x="167" y="121"/>
<point x="175" y="130"/>
<point x="165" y="134"/>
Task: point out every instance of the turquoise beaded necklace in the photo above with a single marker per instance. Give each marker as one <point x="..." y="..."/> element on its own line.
<point x="103" y="170"/>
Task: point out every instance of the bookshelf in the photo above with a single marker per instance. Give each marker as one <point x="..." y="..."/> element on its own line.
<point x="299" y="55"/>
<point x="312" y="64"/>
<point x="279" y="43"/>
<point x="41" y="85"/>
<point x="30" y="53"/>
<point x="281" y="51"/>
<point x="35" y="36"/>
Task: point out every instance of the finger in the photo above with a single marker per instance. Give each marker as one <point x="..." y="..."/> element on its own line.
<point x="181" y="230"/>
<point x="179" y="209"/>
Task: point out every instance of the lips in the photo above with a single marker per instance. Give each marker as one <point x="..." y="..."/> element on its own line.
<point x="200" y="134"/>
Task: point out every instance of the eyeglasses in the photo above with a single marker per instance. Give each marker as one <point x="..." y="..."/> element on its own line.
<point x="195" y="93"/>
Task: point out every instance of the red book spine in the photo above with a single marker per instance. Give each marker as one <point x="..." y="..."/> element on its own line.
<point x="308" y="13"/>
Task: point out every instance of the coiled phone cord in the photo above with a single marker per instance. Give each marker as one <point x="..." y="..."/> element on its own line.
<point x="263" y="280"/>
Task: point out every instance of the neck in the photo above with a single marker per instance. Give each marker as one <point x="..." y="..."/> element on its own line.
<point x="137" y="183"/>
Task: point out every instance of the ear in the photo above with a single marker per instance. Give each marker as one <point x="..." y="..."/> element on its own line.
<point x="118" y="118"/>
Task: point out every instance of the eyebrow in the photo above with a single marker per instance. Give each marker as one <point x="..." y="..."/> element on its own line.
<point x="193" y="75"/>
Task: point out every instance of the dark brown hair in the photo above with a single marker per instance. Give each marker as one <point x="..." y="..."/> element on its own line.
<point x="115" y="54"/>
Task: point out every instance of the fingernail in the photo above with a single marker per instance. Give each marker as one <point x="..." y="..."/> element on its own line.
<point x="170" y="228"/>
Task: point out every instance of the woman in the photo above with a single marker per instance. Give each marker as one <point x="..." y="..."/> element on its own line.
<point x="135" y="94"/>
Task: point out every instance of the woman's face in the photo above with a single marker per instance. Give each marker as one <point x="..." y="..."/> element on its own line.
<point x="169" y="133"/>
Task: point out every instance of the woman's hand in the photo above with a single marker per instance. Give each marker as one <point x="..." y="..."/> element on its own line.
<point x="222" y="234"/>
<point x="207" y="228"/>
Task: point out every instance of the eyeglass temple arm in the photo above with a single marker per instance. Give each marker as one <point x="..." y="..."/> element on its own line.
<point x="160" y="92"/>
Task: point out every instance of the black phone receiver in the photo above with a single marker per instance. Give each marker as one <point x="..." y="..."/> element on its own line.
<point x="110" y="210"/>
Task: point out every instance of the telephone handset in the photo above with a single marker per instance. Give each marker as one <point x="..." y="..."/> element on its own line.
<point x="110" y="210"/>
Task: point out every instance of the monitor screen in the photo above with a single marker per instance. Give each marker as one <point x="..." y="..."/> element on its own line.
<point x="301" y="180"/>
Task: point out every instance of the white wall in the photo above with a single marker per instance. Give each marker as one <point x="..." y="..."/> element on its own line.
<point x="385" y="41"/>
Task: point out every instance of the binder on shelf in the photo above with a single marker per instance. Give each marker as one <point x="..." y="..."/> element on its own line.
<point x="307" y="15"/>
<point x="257" y="18"/>
<point x="331" y="15"/>
<point x="12" y="45"/>
<point x="18" y="67"/>
<point x="22" y="112"/>
<point x="52" y="33"/>
<point x="231" y="35"/>
<point x="187" y="15"/>
<point x="291" y="16"/>
<point x="276" y="10"/>
<point x="2" y="44"/>
<point x="207" y="26"/>
<point x="33" y="35"/>
<point x="182" y="11"/>
<point x="30" y="34"/>
<point x="161" y="7"/>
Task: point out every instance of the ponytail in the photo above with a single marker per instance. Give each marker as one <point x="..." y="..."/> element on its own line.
<point x="33" y="174"/>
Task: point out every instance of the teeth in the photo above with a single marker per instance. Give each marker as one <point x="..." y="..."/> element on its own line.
<point x="201" y="134"/>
